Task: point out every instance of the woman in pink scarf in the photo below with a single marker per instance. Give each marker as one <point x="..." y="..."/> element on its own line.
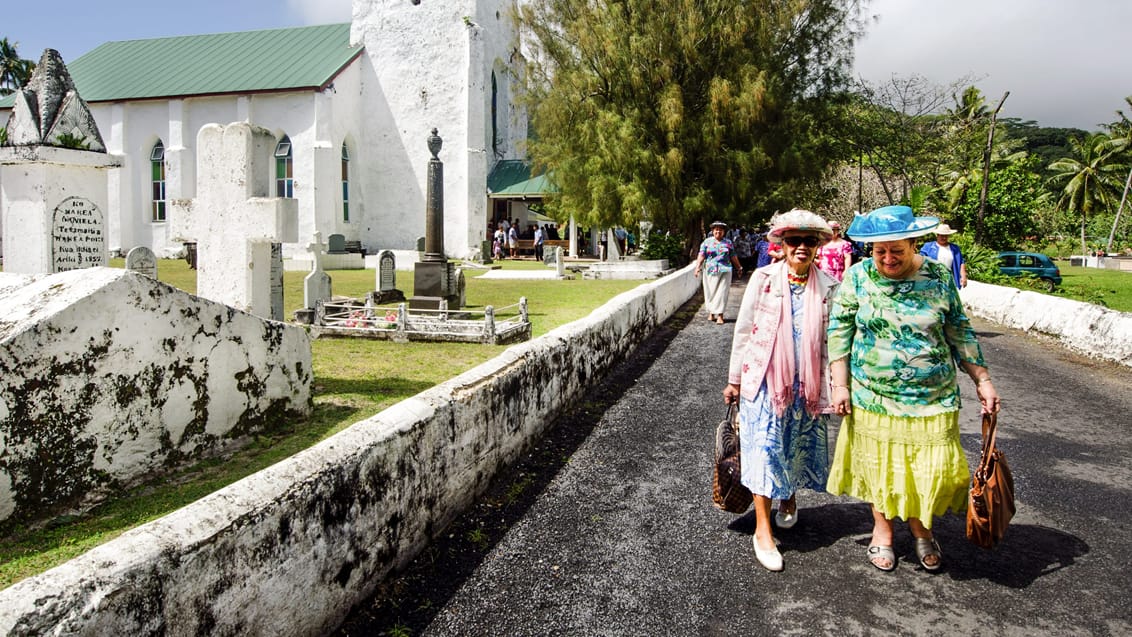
<point x="779" y="374"/>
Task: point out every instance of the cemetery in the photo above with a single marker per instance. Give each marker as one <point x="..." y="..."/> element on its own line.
<point x="111" y="377"/>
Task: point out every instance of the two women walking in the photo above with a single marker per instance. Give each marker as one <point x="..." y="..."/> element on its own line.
<point x="881" y="350"/>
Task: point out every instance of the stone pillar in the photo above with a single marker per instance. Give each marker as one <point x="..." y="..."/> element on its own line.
<point x="434" y="203"/>
<point x="432" y="277"/>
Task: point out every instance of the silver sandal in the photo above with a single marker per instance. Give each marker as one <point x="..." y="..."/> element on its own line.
<point x="927" y="547"/>
<point x="881" y="553"/>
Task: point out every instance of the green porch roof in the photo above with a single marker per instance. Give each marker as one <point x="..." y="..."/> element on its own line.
<point x="300" y="58"/>
<point x="511" y="179"/>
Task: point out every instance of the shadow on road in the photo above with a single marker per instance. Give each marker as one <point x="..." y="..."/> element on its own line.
<point x="408" y="602"/>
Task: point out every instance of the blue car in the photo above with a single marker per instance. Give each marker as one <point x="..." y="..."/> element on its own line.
<point x="1032" y="263"/>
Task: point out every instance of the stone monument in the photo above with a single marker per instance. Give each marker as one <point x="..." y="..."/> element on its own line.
<point x="433" y="275"/>
<point x="53" y="187"/>
<point x="237" y="224"/>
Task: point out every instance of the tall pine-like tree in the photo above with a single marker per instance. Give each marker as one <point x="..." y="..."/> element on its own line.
<point x="681" y="111"/>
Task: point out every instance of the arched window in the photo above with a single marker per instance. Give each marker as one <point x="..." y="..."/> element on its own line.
<point x="157" y="180"/>
<point x="494" y="115"/>
<point x="345" y="183"/>
<point x="284" y="169"/>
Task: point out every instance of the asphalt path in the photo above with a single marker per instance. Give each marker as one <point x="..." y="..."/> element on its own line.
<point x="622" y="538"/>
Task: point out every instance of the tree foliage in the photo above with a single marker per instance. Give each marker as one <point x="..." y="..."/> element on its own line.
<point x="14" y="71"/>
<point x="681" y="111"/>
<point x="1012" y="194"/>
<point x="1090" y="178"/>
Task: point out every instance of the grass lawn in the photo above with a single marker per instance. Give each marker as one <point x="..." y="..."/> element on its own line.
<point x="1110" y="288"/>
<point x="353" y="379"/>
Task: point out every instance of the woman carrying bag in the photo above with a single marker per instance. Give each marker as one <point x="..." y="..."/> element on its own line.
<point x="779" y="375"/>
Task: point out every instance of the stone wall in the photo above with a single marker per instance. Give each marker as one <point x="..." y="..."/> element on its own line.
<point x="107" y="376"/>
<point x="1083" y="327"/>
<point x="292" y="548"/>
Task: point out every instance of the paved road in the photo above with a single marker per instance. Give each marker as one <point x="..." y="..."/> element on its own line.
<point x="623" y="539"/>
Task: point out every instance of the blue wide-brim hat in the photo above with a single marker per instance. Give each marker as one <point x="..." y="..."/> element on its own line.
<point x="890" y="223"/>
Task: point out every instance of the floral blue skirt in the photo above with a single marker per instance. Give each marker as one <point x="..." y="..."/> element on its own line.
<point x="780" y="455"/>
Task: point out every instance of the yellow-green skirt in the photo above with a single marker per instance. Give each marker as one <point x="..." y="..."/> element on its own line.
<point x="907" y="467"/>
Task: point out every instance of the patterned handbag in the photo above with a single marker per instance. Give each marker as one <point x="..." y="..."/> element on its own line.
<point x="990" y="504"/>
<point x="727" y="492"/>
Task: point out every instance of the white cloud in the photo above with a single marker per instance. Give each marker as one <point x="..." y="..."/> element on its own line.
<point x="321" y="11"/>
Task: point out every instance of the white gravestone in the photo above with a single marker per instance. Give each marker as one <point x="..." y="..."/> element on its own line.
<point x="386" y="271"/>
<point x="78" y="235"/>
<point x="142" y="260"/>
<point x="613" y="253"/>
<point x="461" y="288"/>
<point x="235" y="221"/>
<point x="559" y="262"/>
<point x="317" y="284"/>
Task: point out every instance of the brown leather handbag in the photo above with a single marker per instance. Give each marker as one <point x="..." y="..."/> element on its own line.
<point x="990" y="504"/>
<point x="727" y="492"/>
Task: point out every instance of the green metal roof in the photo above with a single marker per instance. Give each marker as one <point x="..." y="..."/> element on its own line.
<point x="511" y="178"/>
<point x="245" y="62"/>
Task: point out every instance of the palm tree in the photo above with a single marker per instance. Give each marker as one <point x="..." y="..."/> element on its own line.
<point x="1088" y="179"/>
<point x="14" y="72"/>
<point x="1122" y="137"/>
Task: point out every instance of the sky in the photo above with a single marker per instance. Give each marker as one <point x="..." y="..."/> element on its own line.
<point x="1066" y="64"/>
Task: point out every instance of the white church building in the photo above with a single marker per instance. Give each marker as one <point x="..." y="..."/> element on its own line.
<point x="350" y="106"/>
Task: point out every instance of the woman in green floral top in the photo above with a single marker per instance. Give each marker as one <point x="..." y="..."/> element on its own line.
<point x="897" y="332"/>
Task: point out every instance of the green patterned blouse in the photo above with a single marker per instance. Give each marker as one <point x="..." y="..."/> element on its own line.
<point x="904" y="339"/>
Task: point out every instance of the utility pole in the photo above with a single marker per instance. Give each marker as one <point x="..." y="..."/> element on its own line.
<point x="986" y="170"/>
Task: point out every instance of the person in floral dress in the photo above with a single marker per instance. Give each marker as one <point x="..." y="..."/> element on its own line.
<point x="836" y="256"/>
<point x="779" y="375"/>
<point x="897" y="333"/>
<point x="716" y="260"/>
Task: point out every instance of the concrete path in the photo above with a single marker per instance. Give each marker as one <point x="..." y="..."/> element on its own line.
<point x="621" y="538"/>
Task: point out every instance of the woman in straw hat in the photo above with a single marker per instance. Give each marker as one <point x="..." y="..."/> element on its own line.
<point x="779" y="374"/>
<point x="896" y="333"/>
<point x="716" y="260"/>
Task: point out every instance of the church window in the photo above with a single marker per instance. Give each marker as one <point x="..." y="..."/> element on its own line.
<point x="157" y="180"/>
<point x="494" y="115"/>
<point x="345" y="184"/>
<point x="284" y="169"/>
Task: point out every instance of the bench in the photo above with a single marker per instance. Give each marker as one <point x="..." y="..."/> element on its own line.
<point x="353" y="246"/>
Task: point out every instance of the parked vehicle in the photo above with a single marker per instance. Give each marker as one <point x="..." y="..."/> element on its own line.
<point x="1030" y="263"/>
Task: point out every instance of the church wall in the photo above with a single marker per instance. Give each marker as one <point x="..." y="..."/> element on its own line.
<point x="134" y="126"/>
<point x="431" y="68"/>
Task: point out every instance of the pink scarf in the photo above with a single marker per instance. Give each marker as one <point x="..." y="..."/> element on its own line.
<point x="780" y="372"/>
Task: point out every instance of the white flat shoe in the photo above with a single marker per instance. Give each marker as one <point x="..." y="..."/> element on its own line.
<point x="786" y="520"/>
<point x="771" y="559"/>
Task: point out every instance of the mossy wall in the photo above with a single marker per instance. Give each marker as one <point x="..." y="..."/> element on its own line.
<point x="108" y="377"/>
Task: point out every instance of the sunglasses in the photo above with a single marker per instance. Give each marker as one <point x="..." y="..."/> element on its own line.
<point x="809" y="241"/>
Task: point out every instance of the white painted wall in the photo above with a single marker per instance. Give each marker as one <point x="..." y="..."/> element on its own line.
<point x="112" y="374"/>
<point x="1082" y="327"/>
<point x="289" y="550"/>
<point x="431" y="68"/>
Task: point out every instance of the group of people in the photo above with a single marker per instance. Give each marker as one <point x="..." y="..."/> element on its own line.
<point x="505" y="239"/>
<point x="879" y="343"/>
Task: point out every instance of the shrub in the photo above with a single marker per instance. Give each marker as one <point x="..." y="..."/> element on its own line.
<point x="665" y="246"/>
